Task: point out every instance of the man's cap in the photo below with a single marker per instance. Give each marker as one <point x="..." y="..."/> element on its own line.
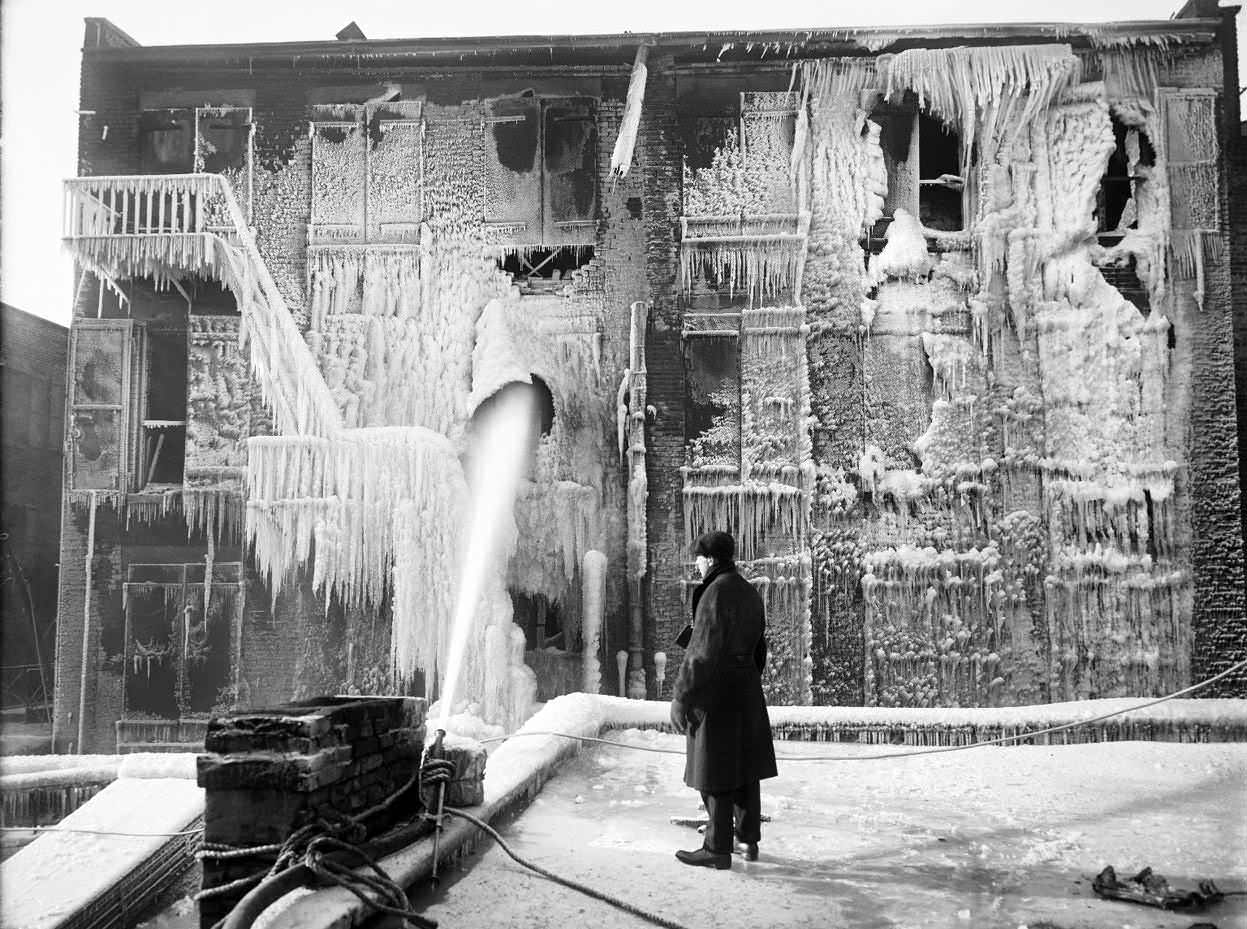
<point x="718" y="545"/>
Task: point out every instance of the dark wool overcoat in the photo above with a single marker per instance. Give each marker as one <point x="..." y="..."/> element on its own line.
<point x="720" y="686"/>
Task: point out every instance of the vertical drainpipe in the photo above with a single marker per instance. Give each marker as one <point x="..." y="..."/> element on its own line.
<point x="86" y="628"/>
<point x="638" y="492"/>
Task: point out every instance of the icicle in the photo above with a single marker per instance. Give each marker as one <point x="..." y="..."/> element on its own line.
<point x="209" y="563"/>
<point x="966" y="86"/>
<point x="621" y="158"/>
<point x="593" y="579"/>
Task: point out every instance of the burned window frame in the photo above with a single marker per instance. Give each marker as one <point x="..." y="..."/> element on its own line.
<point x="371" y="124"/>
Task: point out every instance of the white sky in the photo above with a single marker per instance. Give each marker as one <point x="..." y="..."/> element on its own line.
<point x="41" y="57"/>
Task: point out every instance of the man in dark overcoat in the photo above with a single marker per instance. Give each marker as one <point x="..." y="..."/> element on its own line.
<point x="717" y="702"/>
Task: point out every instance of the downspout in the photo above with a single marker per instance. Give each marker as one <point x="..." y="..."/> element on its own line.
<point x="86" y="626"/>
<point x="638" y="494"/>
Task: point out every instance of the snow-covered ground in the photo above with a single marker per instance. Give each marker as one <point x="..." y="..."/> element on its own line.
<point x="992" y="837"/>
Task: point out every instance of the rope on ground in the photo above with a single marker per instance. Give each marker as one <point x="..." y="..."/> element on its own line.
<point x="616" y="902"/>
<point x="1030" y="734"/>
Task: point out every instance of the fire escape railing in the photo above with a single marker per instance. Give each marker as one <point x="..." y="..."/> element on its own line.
<point x="168" y="226"/>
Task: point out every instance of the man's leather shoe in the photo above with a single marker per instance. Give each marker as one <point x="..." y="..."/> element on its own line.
<point x="748" y="849"/>
<point x="704" y="858"/>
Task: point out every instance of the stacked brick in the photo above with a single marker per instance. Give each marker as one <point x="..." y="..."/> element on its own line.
<point x="267" y="773"/>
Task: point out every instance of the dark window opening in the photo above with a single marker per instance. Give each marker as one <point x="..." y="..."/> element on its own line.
<point x="165" y="454"/>
<point x="1124" y="276"/>
<point x="1128" y="167"/>
<point x="164" y="421"/>
<point x="224" y="141"/>
<point x="150" y="661"/>
<point x="335" y="135"/>
<point x="570" y="140"/>
<point x="940" y="183"/>
<point x="541" y="619"/>
<point x="545" y="405"/>
<point x="167" y="141"/>
<point x="208" y="298"/>
<point x="704" y="135"/>
<point x="207" y="647"/>
<point x="551" y="264"/>
<point x="712" y="408"/>
<point x="634" y="207"/>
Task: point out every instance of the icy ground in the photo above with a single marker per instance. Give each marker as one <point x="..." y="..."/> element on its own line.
<point x="993" y="837"/>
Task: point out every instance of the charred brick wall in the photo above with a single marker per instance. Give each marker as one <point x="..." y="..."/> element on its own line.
<point x="267" y="773"/>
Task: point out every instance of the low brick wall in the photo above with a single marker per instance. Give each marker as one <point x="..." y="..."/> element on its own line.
<point x="269" y="772"/>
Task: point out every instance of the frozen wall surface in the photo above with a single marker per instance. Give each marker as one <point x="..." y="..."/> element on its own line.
<point x="1000" y="378"/>
<point x="940" y="334"/>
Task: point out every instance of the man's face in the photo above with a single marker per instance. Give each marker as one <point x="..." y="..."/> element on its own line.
<point x="703" y="565"/>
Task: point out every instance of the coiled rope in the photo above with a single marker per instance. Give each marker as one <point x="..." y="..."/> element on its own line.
<point x="1030" y="734"/>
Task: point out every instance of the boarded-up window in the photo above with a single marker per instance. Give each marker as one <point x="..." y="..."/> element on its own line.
<point x="1189" y="118"/>
<point x="338" y="180"/>
<point x="395" y="172"/>
<point x="104" y="356"/>
<point x="541" y="171"/>
<point x="570" y="149"/>
<point x="367" y="172"/>
<point x="512" y="170"/>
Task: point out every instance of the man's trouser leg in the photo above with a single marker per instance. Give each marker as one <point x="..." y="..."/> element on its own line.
<point x="719" y="810"/>
<point x="747" y="804"/>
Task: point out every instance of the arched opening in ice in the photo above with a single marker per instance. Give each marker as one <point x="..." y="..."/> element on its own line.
<point x="542" y="402"/>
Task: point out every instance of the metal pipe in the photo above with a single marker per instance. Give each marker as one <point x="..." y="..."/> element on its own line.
<point x="86" y="626"/>
<point x="435" y="751"/>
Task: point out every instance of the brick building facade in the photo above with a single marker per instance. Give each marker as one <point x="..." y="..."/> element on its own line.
<point x="938" y="323"/>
